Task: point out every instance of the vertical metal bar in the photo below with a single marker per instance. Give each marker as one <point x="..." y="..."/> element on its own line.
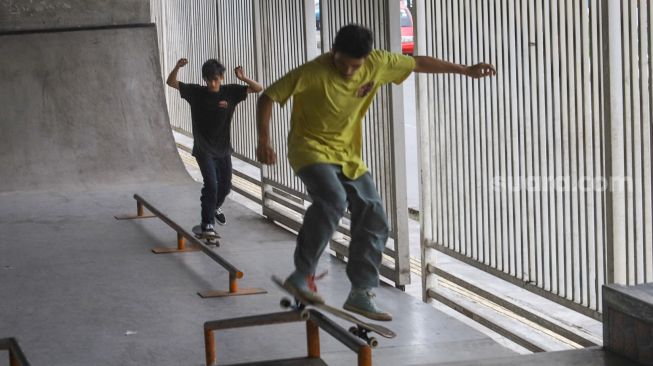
<point x="521" y="130"/>
<point x="181" y="241"/>
<point x="259" y="54"/>
<point x="397" y="166"/>
<point x="475" y="194"/>
<point x="209" y="347"/>
<point x="585" y="151"/>
<point x="540" y="147"/>
<point x="595" y="227"/>
<point x="613" y="135"/>
<point x="494" y="166"/>
<point x="424" y="153"/>
<point x="558" y="236"/>
<point x="365" y="356"/>
<point x="13" y="360"/>
<point x="233" y="283"/>
<point x="313" y="339"/>
<point x="637" y="224"/>
<point x="531" y="140"/>
<point x="513" y="158"/>
<point x="627" y="131"/>
<point x="646" y="67"/>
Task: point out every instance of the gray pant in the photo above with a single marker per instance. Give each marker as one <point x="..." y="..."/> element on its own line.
<point x="332" y="192"/>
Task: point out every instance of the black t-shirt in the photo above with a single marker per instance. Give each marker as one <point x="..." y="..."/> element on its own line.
<point x="211" y="117"/>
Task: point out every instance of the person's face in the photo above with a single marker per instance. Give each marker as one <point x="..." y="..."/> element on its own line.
<point x="346" y="65"/>
<point x="214" y="83"/>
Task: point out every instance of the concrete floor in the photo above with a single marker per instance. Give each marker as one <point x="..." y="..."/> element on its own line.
<point x="81" y="288"/>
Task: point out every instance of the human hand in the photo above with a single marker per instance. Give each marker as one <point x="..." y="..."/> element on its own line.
<point x="182" y="62"/>
<point x="265" y="154"/>
<point x="480" y="70"/>
<point x="240" y="73"/>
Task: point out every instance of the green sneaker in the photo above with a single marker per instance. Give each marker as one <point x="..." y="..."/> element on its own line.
<point x="361" y="301"/>
<point x="299" y="284"/>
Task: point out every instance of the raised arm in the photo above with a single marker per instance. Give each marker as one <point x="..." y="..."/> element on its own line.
<point x="433" y="65"/>
<point x="172" y="78"/>
<point x="252" y="86"/>
<point x="264" y="151"/>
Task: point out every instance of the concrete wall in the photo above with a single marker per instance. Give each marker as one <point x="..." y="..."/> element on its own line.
<point x="47" y="14"/>
<point x="84" y="108"/>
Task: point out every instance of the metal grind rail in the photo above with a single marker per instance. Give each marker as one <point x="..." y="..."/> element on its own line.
<point x="182" y="236"/>
<point x="314" y="321"/>
<point x="16" y="355"/>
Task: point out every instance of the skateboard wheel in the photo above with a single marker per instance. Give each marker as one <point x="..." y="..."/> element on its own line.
<point x="285" y="302"/>
<point x="373" y="342"/>
<point x="353" y="330"/>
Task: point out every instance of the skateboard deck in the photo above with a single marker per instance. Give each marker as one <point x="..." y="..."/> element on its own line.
<point x="210" y="240"/>
<point x="361" y="329"/>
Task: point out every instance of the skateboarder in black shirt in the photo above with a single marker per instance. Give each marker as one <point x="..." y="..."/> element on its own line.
<point x="212" y="107"/>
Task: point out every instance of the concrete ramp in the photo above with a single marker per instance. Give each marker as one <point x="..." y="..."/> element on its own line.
<point x="85" y="108"/>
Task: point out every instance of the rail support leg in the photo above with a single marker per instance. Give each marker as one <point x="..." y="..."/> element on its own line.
<point x="365" y="356"/>
<point x="233" y="289"/>
<point x="313" y="339"/>
<point x="209" y="346"/>
<point x="140" y="214"/>
<point x="181" y="247"/>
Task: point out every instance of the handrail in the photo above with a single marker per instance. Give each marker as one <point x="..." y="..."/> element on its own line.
<point x="191" y="237"/>
<point x="182" y="235"/>
<point x="314" y="320"/>
<point x="16" y="355"/>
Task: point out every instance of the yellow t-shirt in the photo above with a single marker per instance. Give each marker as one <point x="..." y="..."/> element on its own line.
<point x="328" y="110"/>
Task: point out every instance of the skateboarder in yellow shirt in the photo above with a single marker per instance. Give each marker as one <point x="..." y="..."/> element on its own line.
<point x="331" y="96"/>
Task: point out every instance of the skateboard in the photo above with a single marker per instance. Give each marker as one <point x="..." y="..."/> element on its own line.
<point x="360" y="328"/>
<point x="209" y="240"/>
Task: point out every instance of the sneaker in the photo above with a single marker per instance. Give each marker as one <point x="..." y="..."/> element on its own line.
<point x="361" y="301"/>
<point x="219" y="217"/>
<point x="208" y="231"/>
<point x="303" y="286"/>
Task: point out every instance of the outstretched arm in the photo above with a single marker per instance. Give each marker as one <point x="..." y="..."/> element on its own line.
<point x="172" y="78"/>
<point x="264" y="152"/>
<point x="252" y="86"/>
<point x="433" y="65"/>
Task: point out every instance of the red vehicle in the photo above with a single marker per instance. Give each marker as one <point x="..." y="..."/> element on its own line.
<point x="406" y="20"/>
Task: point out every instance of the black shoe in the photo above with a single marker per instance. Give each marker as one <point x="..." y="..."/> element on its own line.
<point x="208" y="231"/>
<point x="219" y="217"/>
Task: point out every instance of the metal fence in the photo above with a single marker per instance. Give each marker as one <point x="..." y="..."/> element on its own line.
<point x="269" y="38"/>
<point x="185" y="29"/>
<point x="514" y="166"/>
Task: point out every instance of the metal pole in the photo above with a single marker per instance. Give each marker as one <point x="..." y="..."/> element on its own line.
<point x="209" y="346"/>
<point x="351" y="341"/>
<point x="398" y="166"/>
<point x="423" y="128"/>
<point x="313" y="339"/>
<point x="614" y="139"/>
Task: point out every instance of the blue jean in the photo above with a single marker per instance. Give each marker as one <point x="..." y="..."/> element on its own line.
<point x="216" y="173"/>
<point x="332" y="193"/>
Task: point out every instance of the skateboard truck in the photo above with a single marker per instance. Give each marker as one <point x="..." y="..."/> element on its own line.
<point x="362" y="333"/>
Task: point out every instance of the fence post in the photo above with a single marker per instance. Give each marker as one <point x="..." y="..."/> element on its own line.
<point x="613" y="136"/>
<point x="398" y="167"/>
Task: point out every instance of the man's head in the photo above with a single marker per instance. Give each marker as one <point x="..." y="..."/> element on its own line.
<point x="213" y="73"/>
<point x="352" y="45"/>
